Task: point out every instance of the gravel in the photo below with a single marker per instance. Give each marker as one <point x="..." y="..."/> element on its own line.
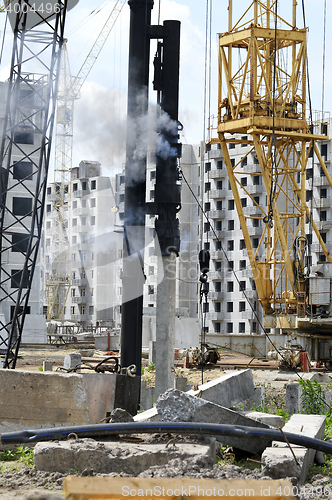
<point x="30" y="484"/>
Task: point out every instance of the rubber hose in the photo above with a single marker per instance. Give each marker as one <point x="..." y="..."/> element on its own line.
<point x="114" y="429"/>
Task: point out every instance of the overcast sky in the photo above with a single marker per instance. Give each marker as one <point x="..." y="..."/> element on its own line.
<point x="100" y="113"/>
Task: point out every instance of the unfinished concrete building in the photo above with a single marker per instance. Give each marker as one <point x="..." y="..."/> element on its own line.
<point x="93" y="246"/>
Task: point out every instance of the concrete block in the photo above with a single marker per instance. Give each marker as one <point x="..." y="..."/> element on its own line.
<point x="152" y="352"/>
<point x="109" y="456"/>
<point x="229" y="390"/>
<point x="278" y="460"/>
<point x="146" y="396"/>
<point x="293" y="398"/>
<point x="71" y="360"/>
<point x="178" y="406"/>
<point x="34" y="331"/>
<point x="265" y="418"/>
<point x="259" y="397"/>
<point x="34" y="400"/>
<point x="47" y="366"/>
<point x="180" y="383"/>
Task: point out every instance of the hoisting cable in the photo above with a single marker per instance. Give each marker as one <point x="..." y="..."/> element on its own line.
<point x="324" y="59"/>
<point x="243" y="291"/>
<point x="204" y="286"/>
<point x="93" y="13"/>
<point x="274" y="169"/>
<point x="226" y="256"/>
<point x="313" y="142"/>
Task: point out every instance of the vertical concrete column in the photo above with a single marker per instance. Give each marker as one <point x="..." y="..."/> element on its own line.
<point x="293" y="398"/>
<point x="47" y="366"/>
<point x="165" y="324"/>
<point x="152" y="352"/>
<point x="71" y="360"/>
<point x="146" y="396"/>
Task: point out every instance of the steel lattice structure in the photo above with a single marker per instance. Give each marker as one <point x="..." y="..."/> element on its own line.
<point x="263" y="68"/>
<point x="24" y="159"/>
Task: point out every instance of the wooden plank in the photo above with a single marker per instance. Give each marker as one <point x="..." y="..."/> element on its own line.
<point x="122" y="488"/>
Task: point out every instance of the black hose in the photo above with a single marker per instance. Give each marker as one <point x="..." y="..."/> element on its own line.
<point x="114" y="429"/>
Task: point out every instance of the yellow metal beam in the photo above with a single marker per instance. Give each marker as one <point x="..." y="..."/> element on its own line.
<point x="294" y="135"/>
<point x="240" y="38"/>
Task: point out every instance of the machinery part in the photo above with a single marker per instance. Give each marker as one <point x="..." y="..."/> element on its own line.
<point x="114" y="367"/>
<point x="211" y="355"/>
<point x="72" y="435"/>
<point x="290" y="357"/>
<point x="114" y="429"/>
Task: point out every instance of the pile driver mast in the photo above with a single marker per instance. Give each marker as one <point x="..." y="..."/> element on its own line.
<point x="265" y="100"/>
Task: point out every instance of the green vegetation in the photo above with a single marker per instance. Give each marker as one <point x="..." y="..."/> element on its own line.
<point x="22" y="454"/>
<point x="314" y="402"/>
<point x="150" y="368"/>
<point x="313" y="398"/>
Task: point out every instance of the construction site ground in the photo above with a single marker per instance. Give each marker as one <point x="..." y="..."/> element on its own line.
<point x="19" y="481"/>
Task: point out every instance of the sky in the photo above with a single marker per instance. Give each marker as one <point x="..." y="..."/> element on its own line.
<point x="100" y="113"/>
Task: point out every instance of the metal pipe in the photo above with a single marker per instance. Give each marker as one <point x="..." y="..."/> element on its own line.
<point x="114" y="429"/>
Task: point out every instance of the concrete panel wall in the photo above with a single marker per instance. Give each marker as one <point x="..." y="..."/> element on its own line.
<point x="187" y="331"/>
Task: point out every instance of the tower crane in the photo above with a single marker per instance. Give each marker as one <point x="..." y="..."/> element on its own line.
<point x="264" y="106"/>
<point x="59" y="281"/>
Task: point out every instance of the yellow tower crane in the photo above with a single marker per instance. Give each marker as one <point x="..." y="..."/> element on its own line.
<point x="262" y="97"/>
<point x="59" y="281"/>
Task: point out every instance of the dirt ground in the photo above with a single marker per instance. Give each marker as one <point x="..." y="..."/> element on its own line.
<point x="23" y="483"/>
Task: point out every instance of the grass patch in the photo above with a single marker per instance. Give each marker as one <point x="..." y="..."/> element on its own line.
<point x="22" y="454"/>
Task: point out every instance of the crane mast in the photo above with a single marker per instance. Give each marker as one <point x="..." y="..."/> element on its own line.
<point x="24" y="160"/>
<point x="263" y="69"/>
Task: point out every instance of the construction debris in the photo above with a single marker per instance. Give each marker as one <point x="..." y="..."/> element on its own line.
<point x="279" y="460"/>
<point x="178" y="406"/>
<point x="34" y="400"/>
<point x="231" y="390"/>
<point x="118" y="456"/>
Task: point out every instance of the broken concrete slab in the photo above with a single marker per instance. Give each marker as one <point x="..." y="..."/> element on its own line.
<point x="229" y="390"/>
<point x="178" y="406"/>
<point x="278" y="460"/>
<point x="114" y="456"/>
<point x="34" y="400"/>
<point x="265" y="418"/>
<point x="150" y="415"/>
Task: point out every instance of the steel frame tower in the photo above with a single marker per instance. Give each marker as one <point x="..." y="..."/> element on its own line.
<point x="58" y="284"/>
<point x="30" y="110"/>
<point x="265" y="99"/>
